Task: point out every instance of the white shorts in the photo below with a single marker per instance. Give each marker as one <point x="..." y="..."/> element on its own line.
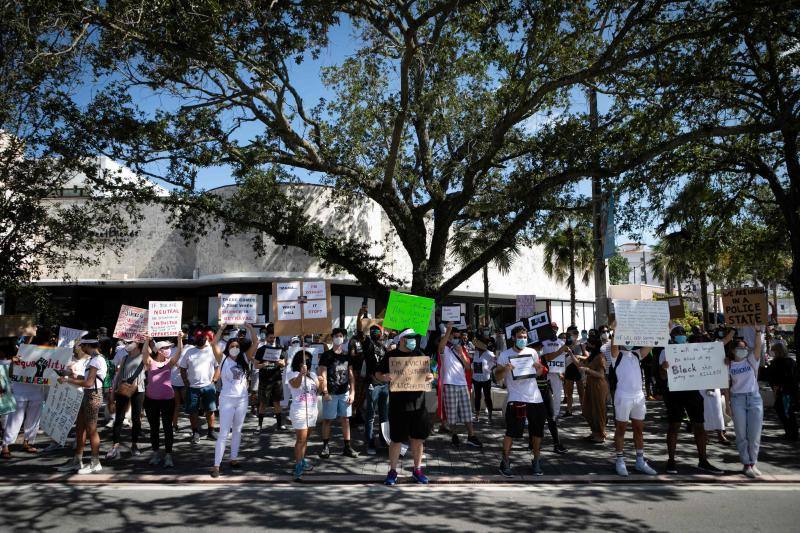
<point x="302" y="418"/>
<point x="626" y="408"/>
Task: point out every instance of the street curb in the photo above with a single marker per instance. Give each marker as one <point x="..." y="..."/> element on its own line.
<point x="348" y="479"/>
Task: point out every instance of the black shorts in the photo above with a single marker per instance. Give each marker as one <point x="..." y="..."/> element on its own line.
<point x="404" y="425"/>
<point x="517" y="412"/>
<point x="270" y="390"/>
<point x="680" y="402"/>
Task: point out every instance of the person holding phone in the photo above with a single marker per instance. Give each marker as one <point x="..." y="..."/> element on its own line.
<point x="159" y="401"/>
<point x="304" y="386"/>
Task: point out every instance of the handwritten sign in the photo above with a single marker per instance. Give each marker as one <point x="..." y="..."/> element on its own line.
<point x="745" y="307"/>
<point x="408" y="311"/>
<point x="696" y="366"/>
<point x="409" y="374"/>
<point x="523" y="367"/>
<point x="60" y="411"/>
<point x="40" y="365"/>
<point x="451" y="313"/>
<point x="272" y="354"/>
<point x="510" y="327"/>
<point x="68" y="336"/>
<point x="164" y="318"/>
<point x="526" y="305"/>
<point x="676" y="309"/>
<point x="315" y="309"/>
<point x="8" y="404"/>
<point x="641" y="323"/>
<point x="301" y="307"/>
<point x="131" y="324"/>
<point x="238" y="308"/>
<point x="287" y="291"/>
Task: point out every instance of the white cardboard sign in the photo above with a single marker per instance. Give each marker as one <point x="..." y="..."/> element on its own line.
<point x="696" y="366"/>
<point x="238" y="308"/>
<point x="641" y="323"/>
<point x="164" y="318"/>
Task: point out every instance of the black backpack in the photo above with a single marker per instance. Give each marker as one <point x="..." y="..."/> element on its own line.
<point x="612" y="374"/>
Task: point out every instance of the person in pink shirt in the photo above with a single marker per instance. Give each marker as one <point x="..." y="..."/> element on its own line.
<point x="159" y="397"/>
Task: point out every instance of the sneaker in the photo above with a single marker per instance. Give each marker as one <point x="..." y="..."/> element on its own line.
<point x="621" y="469"/>
<point x="455" y="440"/>
<point x="645" y="468"/>
<point x="212" y="435"/>
<point x="91" y="468"/>
<point x="505" y="468"/>
<point x="73" y="465"/>
<point x="135" y="451"/>
<point x="155" y="459"/>
<point x="325" y="452"/>
<point x="419" y="477"/>
<point x="473" y="441"/>
<point x="559" y="449"/>
<point x="307" y="467"/>
<point x="755" y="470"/>
<point x="168" y="461"/>
<point x="708" y="467"/>
<point x="298" y="471"/>
<point x="371" y="450"/>
<point x="53" y="446"/>
<point x="748" y="471"/>
<point x="282" y="427"/>
<point x="566" y="414"/>
<point x="350" y="452"/>
<point x="672" y="468"/>
<point x="235" y="464"/>
<point x="537" y="468"/>
<point x="215" y="472"/>
<point x="475" y="418"/>
<point x="391" y="478"/>
<point x="195" y="437"/>
<point x="113" y="453"/>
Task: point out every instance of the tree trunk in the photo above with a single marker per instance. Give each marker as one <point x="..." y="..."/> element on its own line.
<point x="716" y="305"/>
<point x="704" y="297"/>
<point x="667" y="282"/>
<point x="487" y="323"/>
<point x="571" y="280"/>
<point x="680" y="287"/>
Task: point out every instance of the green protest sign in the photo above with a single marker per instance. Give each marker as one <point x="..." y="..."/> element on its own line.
<point x="408" y="311"/>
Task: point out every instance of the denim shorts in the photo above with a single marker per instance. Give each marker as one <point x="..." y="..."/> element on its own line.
<point x="336" y="407"/>
<point x="205" y="396"/>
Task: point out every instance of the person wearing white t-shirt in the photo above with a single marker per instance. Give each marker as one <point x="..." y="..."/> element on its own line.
<point x="304" y="386"/>
<point x="519" y="366"/>
<point x="234" y="372"/>
<point x="629" y="405"/>
<point x="747" y="408"/>
<point x="482" y="365"/>
<point x="198" y="366"/>
<point x="453" y="364"/>
<point x="553" y="351"/>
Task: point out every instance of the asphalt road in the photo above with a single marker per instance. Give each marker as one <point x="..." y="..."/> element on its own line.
<point x="594" y="507"/>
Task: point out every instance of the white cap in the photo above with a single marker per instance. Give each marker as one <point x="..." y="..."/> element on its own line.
<point x="408" y="332"/>
<point x="163" y="344"/>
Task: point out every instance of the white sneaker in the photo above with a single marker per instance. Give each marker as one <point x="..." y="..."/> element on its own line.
<point x="91" y="468"/>
<point x="113" y="453"/>
<point x="645" y="468"/>
<point x="622" y="470"/>
<point x="748" y="471"/>
<point x="756" y="471"/>
<point x="72" y="465"/>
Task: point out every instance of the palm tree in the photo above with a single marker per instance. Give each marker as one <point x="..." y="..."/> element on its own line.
<point x="567" y="254"/>
<point x="667" y="259"/>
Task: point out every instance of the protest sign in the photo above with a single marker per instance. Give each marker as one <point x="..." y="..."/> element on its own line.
<point x="164" y="318"/>
<point x="8" y="404"/>
<point x="409" y="374"/>
<point x="408" y="311"/>
<point x="40" y="365"/>
<point x="526" y="305"/>
<point x="522" y="366"/>
<point x="301" y="307"/>
<point x="676" y="309"/>
<point x="272" y="354"/>
<point x="68" y="336"/>
<point x="539" y="328"/>
<point x="696" y="366"/>
<point x="238" y="308"/>
<point x="745" y="307"/>
<point x="451" y="313"/>
<point x="16" y="325"/>
<point x="131" y="324"/>
<point x="510" y="327"/>
<point x="641" y="323"/>
<point x="60" y="411"/>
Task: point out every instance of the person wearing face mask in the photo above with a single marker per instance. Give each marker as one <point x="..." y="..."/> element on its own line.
<point x="783" y="380"/>
<point x="525" y="402"/>
<point x="338" y="391"/>
<point x="159" y="399"/>
<point x="233" y="371"/>
<point x="409" y="420"/>
<point x="553" y="351"/>
<point x="678" y="403"/>
<point x="482" y="365"/>
<point x="91" y="380"/>
<point x="198" y="366"/>
<point x="356" y="350"/>
<point x="573" y="379"/>
<point x="594" y="405"/>
<point x="454" y="385"/>
<point x="747" y="409"/>
<point x="130" y="370"/>
<point x="377" y="390"/>
<point x="304" y="387"/>
<point x="270" y="362"/>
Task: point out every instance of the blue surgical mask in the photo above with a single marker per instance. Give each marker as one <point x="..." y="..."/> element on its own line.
<point x="521" y="343"/>
<point x="411" y="344"/>
<point x="680" y="339"/>
<point x="627" y="347"/>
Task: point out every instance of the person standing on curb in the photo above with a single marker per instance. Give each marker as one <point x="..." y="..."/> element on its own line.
<point x="304" y="386"/>
<point x="159" y="401"/>
<point x="198" y="366"/>
<point x="377" y="391"/>
<point x="338" y="391"/>
<point x="453" y="364"/>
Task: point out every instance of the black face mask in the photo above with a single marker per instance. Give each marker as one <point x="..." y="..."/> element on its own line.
<point x="375" y="336"/>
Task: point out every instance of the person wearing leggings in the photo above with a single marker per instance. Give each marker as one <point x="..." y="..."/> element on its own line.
<point x="129" y="370"/>
<point x="547" y="396"/>
<point x="159" y="400"/>
<point x="482" y="364"/>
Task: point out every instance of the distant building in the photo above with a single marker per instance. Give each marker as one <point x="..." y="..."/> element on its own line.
<point x="638" y="256"/>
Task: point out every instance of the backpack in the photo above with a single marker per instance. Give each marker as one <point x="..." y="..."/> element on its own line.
<point x="612" y="374"/>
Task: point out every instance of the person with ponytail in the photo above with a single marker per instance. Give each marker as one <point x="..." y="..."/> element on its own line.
<point x="234" y="371"/>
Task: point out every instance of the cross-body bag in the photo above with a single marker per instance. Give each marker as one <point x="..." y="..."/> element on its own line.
<point x="127" y="388"/>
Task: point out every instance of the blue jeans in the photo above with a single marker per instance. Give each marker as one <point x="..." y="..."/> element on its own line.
<point x="376" y="394"/>
<point x="748" y="414"/>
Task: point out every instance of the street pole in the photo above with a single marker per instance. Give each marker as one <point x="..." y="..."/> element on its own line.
<point x="598" y="229"/>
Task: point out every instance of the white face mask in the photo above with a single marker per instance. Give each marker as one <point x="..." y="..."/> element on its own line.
<point x="740" y="353"/>
<point x="338" y="341"/>
<point x="233" y="352"/>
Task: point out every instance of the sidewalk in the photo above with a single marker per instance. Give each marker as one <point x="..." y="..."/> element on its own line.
<point x="267" y="458"/>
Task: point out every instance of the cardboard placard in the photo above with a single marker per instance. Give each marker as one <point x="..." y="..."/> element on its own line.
<point x="676" y="309"/>
<point x="408" y="311"/>
<point x="238" y="308"/>
<point x="131" y="324"/>
<point x="509" y="327"/>
<point x="16" y="325"/>
<point x="295" y="318"/>
<point x="40" y="365"/>
<point x="641" y="323"/>
<point x="409" y="374"/>
<point x="164" y="318"/>
<point x="526" y="305"/>
<point x="68" y="336"/>
<point x="696" y="366"/>
<point x="60" y="411"/>
<point x="746" y="306"/>
<point x="451" y="313"/>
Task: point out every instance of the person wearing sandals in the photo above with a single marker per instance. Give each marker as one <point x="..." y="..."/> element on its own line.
<point x="130" y="375"/>
<point x="91" y="380"/>
<point x="159" y="401"/>
<point x="234" y="397"/>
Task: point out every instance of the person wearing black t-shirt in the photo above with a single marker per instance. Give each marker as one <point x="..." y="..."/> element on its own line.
<point x="270" y="362"/>
<point x="377" y="391"/>
<point x="408" y="415"/>
<point x="336" y="373"/>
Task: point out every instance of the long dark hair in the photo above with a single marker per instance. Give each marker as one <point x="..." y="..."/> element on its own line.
<point x="300" y="358"/>
<point x="241" y="359"/>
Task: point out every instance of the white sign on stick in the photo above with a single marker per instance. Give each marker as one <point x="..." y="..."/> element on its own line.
<point x="164" y="318"/>
<point x="451" y="313"/>
<point x="60" y="411"/>
<point x="641" y="323"/>
<point x="238" y="308"/>
<point x="696" y="366"/>
<point x="288" y="291"/>
<point x="68" y="336"/>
